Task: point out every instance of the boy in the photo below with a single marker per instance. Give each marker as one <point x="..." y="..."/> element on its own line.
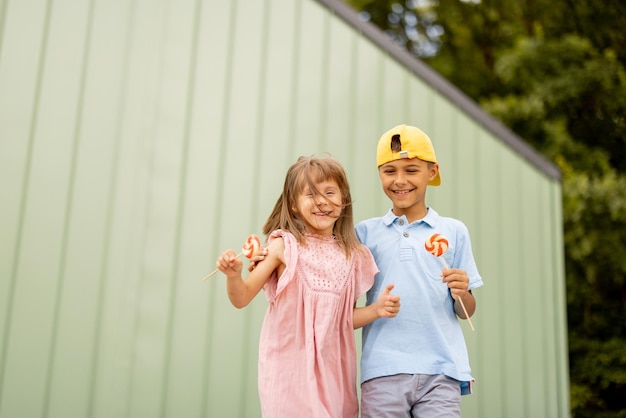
<point x="416" y="365"/>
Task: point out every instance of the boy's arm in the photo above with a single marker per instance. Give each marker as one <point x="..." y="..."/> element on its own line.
<point x="386" y="306"/>
<point x="469" y="302"/>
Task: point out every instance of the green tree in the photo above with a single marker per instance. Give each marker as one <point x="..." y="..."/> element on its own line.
<point x="554" y="72"/>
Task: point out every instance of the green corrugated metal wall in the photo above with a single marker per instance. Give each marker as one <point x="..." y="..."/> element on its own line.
<point x="138" y="138"/>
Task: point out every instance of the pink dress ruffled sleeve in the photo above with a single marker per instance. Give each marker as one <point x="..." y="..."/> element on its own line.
<point x="307" y="353"/>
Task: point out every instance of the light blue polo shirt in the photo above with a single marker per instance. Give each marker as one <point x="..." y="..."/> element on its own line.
<point x="426" y="336"/>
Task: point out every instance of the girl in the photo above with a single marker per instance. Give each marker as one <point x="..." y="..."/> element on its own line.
<point x="314" y="272"/>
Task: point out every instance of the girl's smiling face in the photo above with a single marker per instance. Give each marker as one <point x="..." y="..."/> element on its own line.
<point x="319" y="208"/>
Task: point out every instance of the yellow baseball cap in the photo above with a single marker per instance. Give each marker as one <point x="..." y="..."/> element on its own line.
<point x="413" y="143"/>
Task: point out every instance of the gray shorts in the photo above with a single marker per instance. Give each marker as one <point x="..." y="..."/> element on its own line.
<point x="411" y="396"/>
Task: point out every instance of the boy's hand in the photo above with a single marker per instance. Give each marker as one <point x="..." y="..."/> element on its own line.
<point x="457" y="281"/>
<point x="387" y="305"/>
<point x="257" y="258"/>
<point x="229" y="264"/>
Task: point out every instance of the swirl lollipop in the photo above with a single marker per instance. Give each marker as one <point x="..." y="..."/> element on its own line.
<point x="249" y="248"/>
<point x="437" y="244"/>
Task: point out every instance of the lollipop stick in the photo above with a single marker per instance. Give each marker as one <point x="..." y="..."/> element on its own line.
<point x="445" y="265"/>
<point x="216" y="270"/>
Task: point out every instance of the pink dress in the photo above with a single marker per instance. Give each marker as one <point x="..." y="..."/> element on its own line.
<point x="307" y="354"/>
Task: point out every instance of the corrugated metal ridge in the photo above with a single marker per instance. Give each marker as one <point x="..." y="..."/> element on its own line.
<point x="447" y="89"/>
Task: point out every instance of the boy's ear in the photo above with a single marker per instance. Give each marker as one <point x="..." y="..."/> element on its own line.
<point x="434" y="169"/>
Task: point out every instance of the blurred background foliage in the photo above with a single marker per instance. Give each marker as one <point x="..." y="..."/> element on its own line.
<point x="554" y="71"/>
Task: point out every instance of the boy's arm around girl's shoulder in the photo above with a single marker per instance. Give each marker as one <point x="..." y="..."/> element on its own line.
<point x="241" y="292"/>
<point x="363" y="227"/>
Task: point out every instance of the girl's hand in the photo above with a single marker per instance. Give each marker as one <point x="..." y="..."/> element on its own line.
<point x="229" y="264"/>
<point x="387" y="305"/>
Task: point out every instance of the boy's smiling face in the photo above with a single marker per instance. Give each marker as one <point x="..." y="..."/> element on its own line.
<point x="404" y="182"/>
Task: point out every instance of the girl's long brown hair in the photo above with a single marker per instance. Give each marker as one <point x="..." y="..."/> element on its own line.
<point x="308" y="171"/>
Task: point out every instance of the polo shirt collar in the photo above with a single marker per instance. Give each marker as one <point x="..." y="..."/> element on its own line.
<point x="430" y="218"/>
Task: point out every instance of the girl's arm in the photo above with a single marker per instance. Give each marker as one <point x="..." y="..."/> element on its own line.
<point x="240" y="291"/>
<point x="386" y="306"/>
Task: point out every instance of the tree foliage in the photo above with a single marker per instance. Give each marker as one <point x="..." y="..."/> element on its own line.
<point x="554" y="71"/>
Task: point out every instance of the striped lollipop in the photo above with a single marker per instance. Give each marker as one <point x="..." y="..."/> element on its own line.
<point x="437" y="245"/>
<point x="249" y="248"/>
